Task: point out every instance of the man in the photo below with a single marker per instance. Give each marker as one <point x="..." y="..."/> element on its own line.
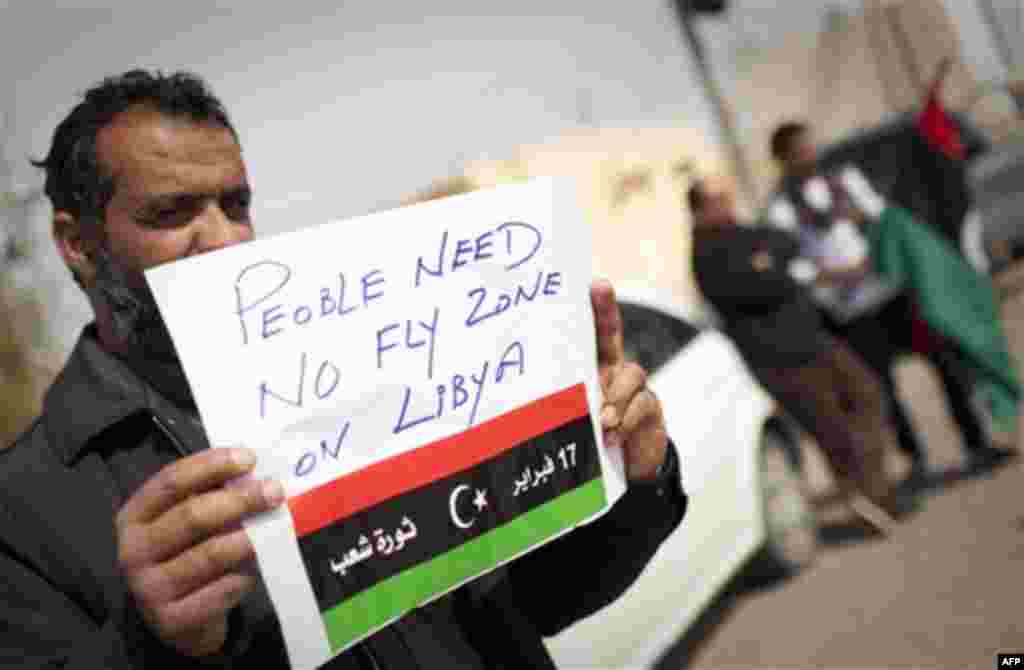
<point x="880" y="321"/>
<point x="941" y="156"/>
<point x="121" y="544"/>
<point x="747" y="274"/>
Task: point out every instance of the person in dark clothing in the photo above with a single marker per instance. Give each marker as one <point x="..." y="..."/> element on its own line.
<point x="827" y="213"/>
<point x="747" y="274"/>
<point x="941" y="157"/>
<point x="121" y="544"/>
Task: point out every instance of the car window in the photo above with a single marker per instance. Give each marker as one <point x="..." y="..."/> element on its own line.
<point x="651" y="337"/>
<point x="892" y="154"/>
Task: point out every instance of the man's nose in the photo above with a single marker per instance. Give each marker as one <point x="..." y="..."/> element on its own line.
<point x="216" y="230"/>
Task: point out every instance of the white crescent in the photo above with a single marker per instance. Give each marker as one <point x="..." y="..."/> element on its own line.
<point x="452" y="500"/>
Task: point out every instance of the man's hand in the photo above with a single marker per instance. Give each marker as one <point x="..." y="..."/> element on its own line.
<point x="631" y="415"/>
<point x="849" y="210"/>
<point x="845" y="276"/>
<point x="183" y="551"/>
<point x="763" y="260"/>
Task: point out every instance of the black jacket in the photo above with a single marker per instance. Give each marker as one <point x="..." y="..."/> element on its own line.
<point x="103" y="431"/>
<point x="768" y="315"/>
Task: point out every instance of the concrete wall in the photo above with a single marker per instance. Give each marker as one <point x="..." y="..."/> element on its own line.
<point x="977" y="42"/>
<point x="632" y="184"/>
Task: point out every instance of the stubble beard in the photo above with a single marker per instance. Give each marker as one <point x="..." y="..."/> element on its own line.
<point x="135" y="319"/>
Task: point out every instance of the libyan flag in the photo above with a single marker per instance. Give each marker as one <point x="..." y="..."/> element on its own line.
<point x="939" y="129"/>
<point x="955" y="300"/>
<point x="384" y="539"/>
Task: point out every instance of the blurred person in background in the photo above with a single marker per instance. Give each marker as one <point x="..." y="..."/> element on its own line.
<point x="754" y="279"/>
<point x="889" y="285"/>
<point x="941" y="156"/>
<point x="122" y="546"/>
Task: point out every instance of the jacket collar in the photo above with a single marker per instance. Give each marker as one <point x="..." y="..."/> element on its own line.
<point x="96" y="391"/>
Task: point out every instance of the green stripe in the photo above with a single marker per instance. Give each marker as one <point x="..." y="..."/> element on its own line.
<point x="373" y="608"/>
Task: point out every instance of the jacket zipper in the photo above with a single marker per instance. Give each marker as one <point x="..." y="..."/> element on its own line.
<point x="163" y="428"/>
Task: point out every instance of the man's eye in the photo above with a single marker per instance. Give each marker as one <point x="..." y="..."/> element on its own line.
<point x="237" y="206"/>
<point x="156" y="216"/>
<point x="168" y="216"/>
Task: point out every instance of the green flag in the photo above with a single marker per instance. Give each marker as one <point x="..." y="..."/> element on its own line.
<point x="955" y="300"/>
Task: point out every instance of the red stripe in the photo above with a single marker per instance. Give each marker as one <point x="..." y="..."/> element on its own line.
<point x="385" y="479"/>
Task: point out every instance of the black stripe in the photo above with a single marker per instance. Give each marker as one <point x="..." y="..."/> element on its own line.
<point x="428" y="509"/>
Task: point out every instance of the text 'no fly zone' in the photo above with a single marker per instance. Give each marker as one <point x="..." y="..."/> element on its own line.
<point x="264" y="315"/>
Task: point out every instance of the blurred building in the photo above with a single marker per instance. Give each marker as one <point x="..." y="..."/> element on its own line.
<point x="846" y="65"/>
<point x="631" y="184"/>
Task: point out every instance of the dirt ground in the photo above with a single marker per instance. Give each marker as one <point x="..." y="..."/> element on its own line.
<point x="945" y="591"/>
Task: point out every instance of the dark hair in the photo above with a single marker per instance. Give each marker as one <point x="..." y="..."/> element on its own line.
<point x="695" y="196"/>
<point x="75" y="181"/>
<point x="785" y="137"/>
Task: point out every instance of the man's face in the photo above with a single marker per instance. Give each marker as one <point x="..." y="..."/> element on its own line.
<point x="717" y="209"/>
<point x="804" y="152"/>
<point x="180" y="189"/>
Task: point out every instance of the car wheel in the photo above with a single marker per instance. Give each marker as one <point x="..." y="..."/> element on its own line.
<point x="790" y="522"/>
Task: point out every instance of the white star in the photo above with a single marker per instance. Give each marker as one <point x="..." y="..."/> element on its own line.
<point x="480" y="500"/>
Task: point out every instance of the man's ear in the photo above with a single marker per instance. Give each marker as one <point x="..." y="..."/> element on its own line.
<point x="75" y="245"/>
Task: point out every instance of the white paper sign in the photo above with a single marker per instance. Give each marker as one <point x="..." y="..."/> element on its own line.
<point x="424" y="382"/>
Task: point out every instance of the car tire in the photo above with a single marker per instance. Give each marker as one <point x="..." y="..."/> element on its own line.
<point x="790" y="521"/>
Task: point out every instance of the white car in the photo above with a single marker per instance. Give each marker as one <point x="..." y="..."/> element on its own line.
<point x="740" y="466"/>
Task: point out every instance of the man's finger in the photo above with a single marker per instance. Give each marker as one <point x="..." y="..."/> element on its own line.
<point x="643" y="428"/>
<point x="607" y="322"/>
<point x="197" y="567"/>
<point x="642" y="410"/>
<point x="626" y="383"/>
<point x="197" y="519"/>
<point x="209" y="603"/>
<point x="183" y="479"/>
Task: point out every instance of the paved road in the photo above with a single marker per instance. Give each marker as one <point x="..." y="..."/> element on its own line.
<point x="945" y="591"/>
